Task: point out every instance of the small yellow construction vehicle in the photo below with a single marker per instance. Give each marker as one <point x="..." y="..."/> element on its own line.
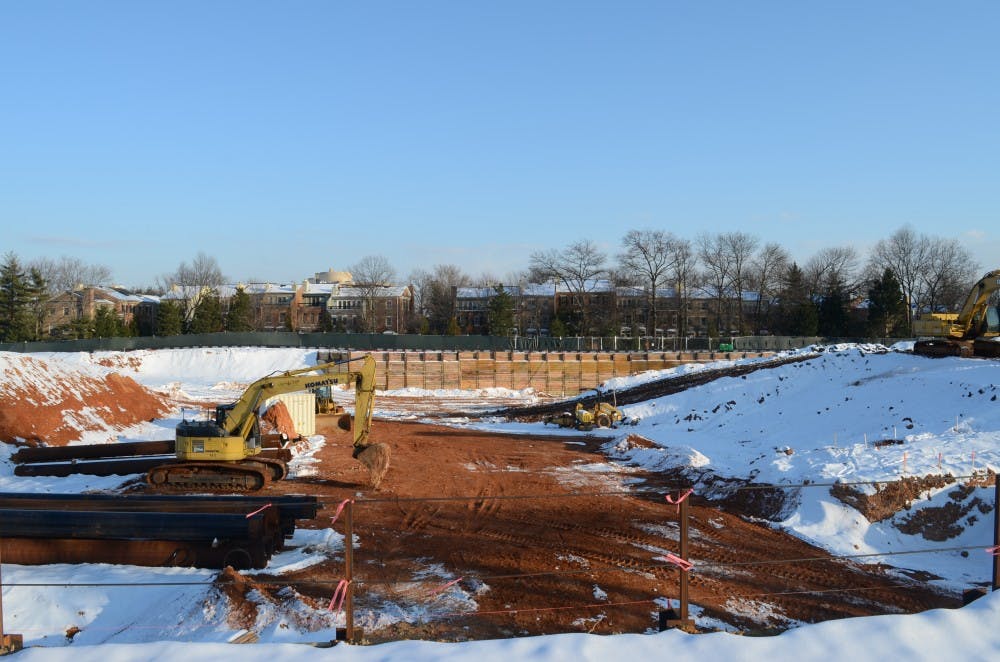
<point x="603" y="415"/>
<point x="973" y="331"/>
<point x="324" y="401"/>
<point x="225" y="454"/>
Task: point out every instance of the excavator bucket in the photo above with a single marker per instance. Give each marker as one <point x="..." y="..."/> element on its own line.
<point x="375" y="457"/>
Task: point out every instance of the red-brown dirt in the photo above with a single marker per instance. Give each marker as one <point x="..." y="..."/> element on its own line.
<point x="39" y="405"/>
<point x="529" y="517"/>
<point x="544" y="534"/>
<point x="278" y="419"/>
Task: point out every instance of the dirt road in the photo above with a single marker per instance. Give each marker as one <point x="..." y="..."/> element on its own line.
<point x="549" y="537"/>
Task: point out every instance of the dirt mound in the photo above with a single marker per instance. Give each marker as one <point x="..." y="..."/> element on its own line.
<point x="45" y="403"/>
<point x="889" y="498"/>
<point x="278" y="418"/>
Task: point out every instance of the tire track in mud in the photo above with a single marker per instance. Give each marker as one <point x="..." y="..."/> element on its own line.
<point x="499" y="516"/>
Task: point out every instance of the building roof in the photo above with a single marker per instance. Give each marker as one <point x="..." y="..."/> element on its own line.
<point x="595" y="285"/>
<point x="353" y="292"/>
<point x="485" y="292"/>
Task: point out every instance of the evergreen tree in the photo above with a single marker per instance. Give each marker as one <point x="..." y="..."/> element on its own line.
<point x="16" y="323"/>
<point x="797" y="312"/>
<point x="453" y="328"/>
<point x="557" y="329"/>
<point x="81" y="328"/>
<point x="207" y="316"/>
<point x="169" y="318"/>
<point x="500" y="312"/>
<point x="238" y="317"/>
<point x="886" y="307"/>
<point x="325" y="321"/>
<point x="107" y="324"/>
<point x="38" y="295"/>
<point x="833" y="319"/>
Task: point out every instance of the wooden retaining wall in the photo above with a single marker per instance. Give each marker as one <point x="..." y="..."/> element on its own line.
<point x="557" y="373"/>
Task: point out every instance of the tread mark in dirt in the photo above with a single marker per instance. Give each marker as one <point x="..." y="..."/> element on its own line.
<point x="560" y="548"/>
<point x="418" y="518"/>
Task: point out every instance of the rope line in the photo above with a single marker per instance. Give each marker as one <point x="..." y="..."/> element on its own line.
<point x="526" y="575"/>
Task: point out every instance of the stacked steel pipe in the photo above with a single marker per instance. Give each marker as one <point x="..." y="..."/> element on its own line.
<point x="197" y="531"/>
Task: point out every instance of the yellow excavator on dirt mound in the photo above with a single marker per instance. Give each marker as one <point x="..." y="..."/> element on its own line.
<point x="225" y="454"/>
<point x="973" y="331"/>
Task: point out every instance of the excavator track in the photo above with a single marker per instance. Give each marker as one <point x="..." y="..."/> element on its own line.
<point x="277" y="468"/>
<point x="247" y="476"/>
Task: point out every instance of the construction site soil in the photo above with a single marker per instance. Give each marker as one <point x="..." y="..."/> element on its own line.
<point x="40" y="406"/>
<point x="549" y="539"/>
<point x="544" y="532"/>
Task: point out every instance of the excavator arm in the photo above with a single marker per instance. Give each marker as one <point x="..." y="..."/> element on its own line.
<point x="225" y="453"/>
<point x="239" y="419"/>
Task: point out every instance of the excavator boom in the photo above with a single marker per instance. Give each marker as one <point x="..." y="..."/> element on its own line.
<point x="225" y="453"/>
<point x="969" y="332"/>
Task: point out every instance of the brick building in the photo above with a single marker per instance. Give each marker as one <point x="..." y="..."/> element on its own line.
<point x="64" y="309"/>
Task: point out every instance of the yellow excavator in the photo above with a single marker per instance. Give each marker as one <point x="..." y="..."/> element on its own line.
<point x="225" y="454"/>
<point x="973" y="331"/>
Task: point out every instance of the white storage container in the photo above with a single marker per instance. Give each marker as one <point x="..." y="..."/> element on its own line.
<point x="301" y="407"/>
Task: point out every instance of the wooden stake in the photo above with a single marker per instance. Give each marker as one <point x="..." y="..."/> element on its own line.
<point x="349" y="570"/>
<point x="996" y="531"/>
<point x="9" y="643"/>
<point x="684" y="555"/>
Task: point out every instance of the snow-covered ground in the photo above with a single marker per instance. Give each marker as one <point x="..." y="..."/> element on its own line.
<point x="812" y="422"/>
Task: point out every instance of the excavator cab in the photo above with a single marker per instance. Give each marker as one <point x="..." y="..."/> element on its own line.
<point x="992" y="325"/>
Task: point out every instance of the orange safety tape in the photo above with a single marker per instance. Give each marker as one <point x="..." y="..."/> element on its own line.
<point x="259" y="510"/>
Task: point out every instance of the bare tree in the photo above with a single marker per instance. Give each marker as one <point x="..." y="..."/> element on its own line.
<point x="373" y="270"/>
<point x="837" y="264"/>
<point x="767" y="273"/>
<point x="683" y="276"/>
<point x="739" y="248"/>
<point x="202" y="274"/>
<point x="68" y="273"/>
<point x="372" y="274"/>
<point x="191" y="281"/>
<point x="948" y="273"/>
<point x="435" y="294"/>
<point x="487" y="279"/>
<point x="716" y="274"/>
<point x="649" y="256"/>
<point x="905" y="254"/>
<point x="578" y="267"/>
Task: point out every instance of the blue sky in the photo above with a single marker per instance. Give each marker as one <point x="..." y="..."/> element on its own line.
<point x="285" y="138"/>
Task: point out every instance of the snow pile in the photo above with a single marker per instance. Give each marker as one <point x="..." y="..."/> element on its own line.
<point x="855" y="413"/>
<point x="941" y="634"/>
<point x="205" y="373"/>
